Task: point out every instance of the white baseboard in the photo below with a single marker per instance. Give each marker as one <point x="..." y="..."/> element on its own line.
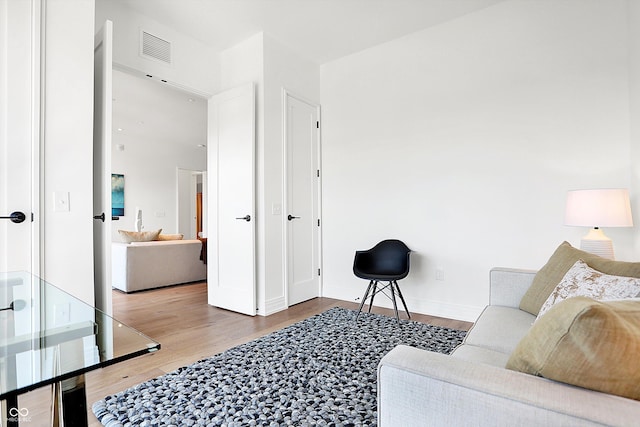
<point x="273" y="305"/>
<point x="467" y="313"/>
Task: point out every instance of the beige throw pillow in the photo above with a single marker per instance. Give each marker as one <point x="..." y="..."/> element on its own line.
<point x="560" y="262"/>
<point x="163" y="237"/>
<point x="582" y="280"/>
<point x="587" y="343"/>
<point x="138" y="236"/>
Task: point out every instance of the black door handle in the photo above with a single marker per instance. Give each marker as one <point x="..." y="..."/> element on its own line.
<point x="290" y="217"/>
<point x="100" y="217"/>
<point x="246" y="218"/>
<point x="15" y="217"/>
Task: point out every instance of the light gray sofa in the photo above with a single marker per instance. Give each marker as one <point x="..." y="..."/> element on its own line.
<point x="140" y="266"/>
<point x="472" y="387"/>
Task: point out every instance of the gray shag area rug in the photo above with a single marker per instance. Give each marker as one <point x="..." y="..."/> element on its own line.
<point x="317" y="372"/>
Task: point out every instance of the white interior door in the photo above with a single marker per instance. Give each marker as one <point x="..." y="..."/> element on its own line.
<point x="103" y="88"/>
<point x="19" y="137"/>
<point x="20" y="76"/>
<point x="302" y="195"/>
<point x="231" y="198"/>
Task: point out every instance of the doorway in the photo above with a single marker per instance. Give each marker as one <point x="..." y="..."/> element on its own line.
<point x="302" y="198"/>
<point x="156" y="129"/>
<point x="191" y="209"/>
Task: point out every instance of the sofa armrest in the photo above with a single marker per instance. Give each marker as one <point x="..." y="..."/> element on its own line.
<point x="508" y="285"/>
<point x="119" y="265"/>
<point x="422" y="388"/>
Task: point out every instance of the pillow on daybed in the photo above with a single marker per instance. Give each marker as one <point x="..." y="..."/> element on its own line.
<point x="587" y="343"/>
<point x="564" y="257"/>
<point x="583" y="281"/>
<point x="163" y="237"/>
<point x="138" y="236"/>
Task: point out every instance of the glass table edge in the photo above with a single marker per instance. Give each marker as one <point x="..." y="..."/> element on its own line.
<point x="152" y="348"/>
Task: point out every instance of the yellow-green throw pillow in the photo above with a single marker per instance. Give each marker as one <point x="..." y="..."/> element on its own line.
<point x="138" y="236"/>
<point x="560" y="262"/>
<point x="587" y="343"/>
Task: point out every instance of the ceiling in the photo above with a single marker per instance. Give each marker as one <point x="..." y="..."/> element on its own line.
<point x="148" y="112"/>
<point x="320" y="30"/>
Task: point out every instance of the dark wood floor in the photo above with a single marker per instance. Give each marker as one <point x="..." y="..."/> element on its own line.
<point x="189" y="330"/>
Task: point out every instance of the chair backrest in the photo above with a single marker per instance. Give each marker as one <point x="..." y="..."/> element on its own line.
<point x="388" y="260"/>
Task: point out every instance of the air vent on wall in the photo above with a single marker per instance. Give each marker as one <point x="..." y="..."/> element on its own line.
<point x="154" y="47"/>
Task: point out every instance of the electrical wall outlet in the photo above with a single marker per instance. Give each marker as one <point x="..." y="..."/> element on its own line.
<point x="439" y="274"/>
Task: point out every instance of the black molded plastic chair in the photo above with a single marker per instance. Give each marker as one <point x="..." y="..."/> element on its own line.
<point x="388" y="261"/>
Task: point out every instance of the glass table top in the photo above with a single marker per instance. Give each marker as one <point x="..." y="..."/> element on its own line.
<point x="48" y="335"/>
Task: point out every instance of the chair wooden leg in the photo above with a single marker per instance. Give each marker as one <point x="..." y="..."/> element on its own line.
<point x="402" y="298"/>
<point x="364" y="298"/>
<point x="373" y="294"/>
<point x="393" y="299"/>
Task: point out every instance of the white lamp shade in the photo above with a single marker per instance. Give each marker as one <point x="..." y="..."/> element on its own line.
<point x="599" y="208"/>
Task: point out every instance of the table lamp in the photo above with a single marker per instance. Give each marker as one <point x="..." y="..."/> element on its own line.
<point x="598" y="208"/>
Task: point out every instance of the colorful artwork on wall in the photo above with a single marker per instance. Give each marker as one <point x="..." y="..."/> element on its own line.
<point x="117" y="194"/>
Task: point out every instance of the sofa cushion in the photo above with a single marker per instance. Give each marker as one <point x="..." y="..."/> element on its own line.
<point x="164" y="237"/>
<point x="138" y="236"/>
<point x="560" y="262"/>
<point x="499" y="328"/>
<point x="582" y="280"/>
<point x="160" y="243"/>
<point x="473" y="353"/>
<point x="584" y="342"/>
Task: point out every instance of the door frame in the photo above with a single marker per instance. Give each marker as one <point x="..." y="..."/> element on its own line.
<point x="187" y="90"/>
<point x="193" y="186"/>
<point x="37" y="144"/>
<point x="286" y="94"/>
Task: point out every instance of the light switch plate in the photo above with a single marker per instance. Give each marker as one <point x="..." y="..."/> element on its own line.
<point x="62" y="313"/>
<point x="61" y="201"/>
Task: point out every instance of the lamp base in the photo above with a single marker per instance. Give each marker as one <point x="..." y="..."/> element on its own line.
<point x="595" y="242"/>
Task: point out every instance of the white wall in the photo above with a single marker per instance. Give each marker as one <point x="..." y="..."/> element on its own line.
<point x="301" y="77"/>
<point x="151" y="183"/>
<point x="473" y="130"/>
<point x="240" y="65"/>
<point x="271" y="67"/>
<point x="463" y="139"/>
<point x="160" y="135"/>
<point x="194" y="64"/>
<point x="634" y="95"/>
<point x="67" y="239"/>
